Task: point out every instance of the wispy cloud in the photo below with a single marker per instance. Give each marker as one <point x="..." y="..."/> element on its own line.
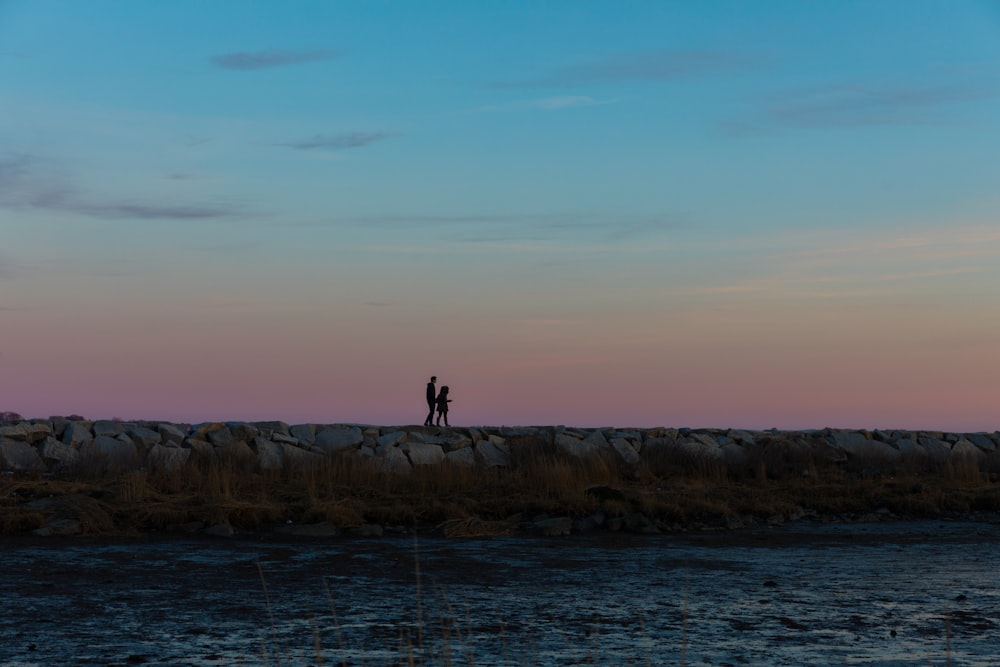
<point x="663" y="65"/>
<point x="857" y="105"/>
<point x="337" y="141"/>
<point x="548" y="104"/>
<point x="848" y="105"/>
<point x="254" y="60"/>
<point x="24" y="185"/>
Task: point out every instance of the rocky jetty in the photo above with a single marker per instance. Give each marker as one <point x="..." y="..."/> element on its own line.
<point x="58" y="444"/>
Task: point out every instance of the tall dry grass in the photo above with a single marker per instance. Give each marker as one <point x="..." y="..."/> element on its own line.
<point x="670" y="487"/>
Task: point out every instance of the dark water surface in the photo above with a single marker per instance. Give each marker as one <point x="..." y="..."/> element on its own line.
<point x="865" y="594"/>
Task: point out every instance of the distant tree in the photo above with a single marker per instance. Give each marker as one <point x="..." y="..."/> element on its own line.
<point x="10" y="417"/>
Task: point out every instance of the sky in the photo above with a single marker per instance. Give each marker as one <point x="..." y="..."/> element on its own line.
<point x="776" y="214"/>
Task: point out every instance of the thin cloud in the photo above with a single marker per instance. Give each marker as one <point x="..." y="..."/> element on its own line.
<point x="337" y="141"/>
<point x="254" y="60"/>
<point x="24" y="185"/>
<point x="548" y="104"/>
<point x="855" y="105"/>
<point x="664" y="65"/>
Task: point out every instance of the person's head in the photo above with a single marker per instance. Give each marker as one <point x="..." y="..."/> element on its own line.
<point x="444" y="389"/>
<point x="434" y="379"/>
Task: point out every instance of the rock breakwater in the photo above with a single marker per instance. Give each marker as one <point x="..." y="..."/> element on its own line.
<point x="57" y="444"/>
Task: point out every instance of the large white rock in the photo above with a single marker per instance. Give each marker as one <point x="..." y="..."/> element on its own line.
<point x="144" y="437"/>
<point x="117" y="451"/>
<point x="489" y="455"/>
<point x="392" y="459"/>
<point x="77" y="434"/>
<point x="337" y="439"/>
<point x="589" y="447"/>
<point x="59" y="453"/>
<point x="391" y="438"/>
<point x="19" y="455"/>
<point x="170" y="434"/>
<point x="167" y="459"/>
<point x="465" y="457"/>
<point x="270" y="455"/>
<point x="626" y="452"/>
<point x="422" y="454"/>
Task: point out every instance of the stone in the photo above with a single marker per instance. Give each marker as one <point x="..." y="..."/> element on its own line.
<point x="982" y="441"/>
<point x="167" y="459"/>
<point x="270" y="455"/>
<point x="20" y="456"/>
<point x="392" y="459"/>
<point x="267" y="429"/>
<point x="625" y="451"/>
<point x="77" y="434"/>
<point x="421" y="454"/>
<point x="391" y="438"/>
<point x="247" y="432"/>
<point x="332" y="440"/>
<point x="963" y="449"/>
<point x="17" y="432"/>
<point x="143" y="437"/>
<point x="201" y="448"/>
<point x="856" y="445"/>
<point x="58" y="453"/>
<point x="114" y="451"/>
<point x="938" y="450"/>
<point x="465" y="457"/>
<point x="297" y="457"/>
<point x="589" y="447"/>
<point x="219" y="437"/>
<point x="489" y="455"/>
<point x="170" y="434"/>
<point x="305" y="433"/>
<point x="108" y="427"/>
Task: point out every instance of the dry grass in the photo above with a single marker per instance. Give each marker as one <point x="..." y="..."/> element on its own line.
<point x="671" y="488"/>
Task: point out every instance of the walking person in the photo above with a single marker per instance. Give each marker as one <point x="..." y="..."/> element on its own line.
<point x="442" y="405"/>
<point x="431" y="401"/>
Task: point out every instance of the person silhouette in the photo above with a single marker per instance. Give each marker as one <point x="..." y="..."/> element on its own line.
<point x="442" y="405"/>
<point x="431" y="401"/>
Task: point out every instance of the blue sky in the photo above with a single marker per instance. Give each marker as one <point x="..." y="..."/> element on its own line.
<point x="685" y="200"/>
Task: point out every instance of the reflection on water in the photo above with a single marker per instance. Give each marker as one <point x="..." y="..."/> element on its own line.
<point x="900" y="594"/>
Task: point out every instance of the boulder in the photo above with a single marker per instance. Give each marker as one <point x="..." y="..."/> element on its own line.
<point x="297" y="457"/>
<point x="267" y="429"/>
<point x="982" y="441"/>
<point x="938" y="450"/>
<point x="143" y="437"/>
<point x="270" y="455"/>
<point x="115" y="451"/>
<point x="391" y="438"/>
<point x="305" y="433"/>
<point x="170" y="434"/>
<point x="108" y="427"/>
<point x="19" y="455"/>
<point x="965" y="450"/>
<point x="489" y="455"/>
<point x="167" y="459"/>
<point x="591" y="446"/>
<point x="465" y="457"/>
<point x="337" y="439"/>
<point x="421" y="454"/>
<point x="392" y="459"/>
<point x="77" y="434"/>
<point x="59" y="453"/>
<point x="625" y="451"/>
<point x="219" y="437"/>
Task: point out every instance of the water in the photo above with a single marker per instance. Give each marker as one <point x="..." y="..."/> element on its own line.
<point x="869" y="594"/>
